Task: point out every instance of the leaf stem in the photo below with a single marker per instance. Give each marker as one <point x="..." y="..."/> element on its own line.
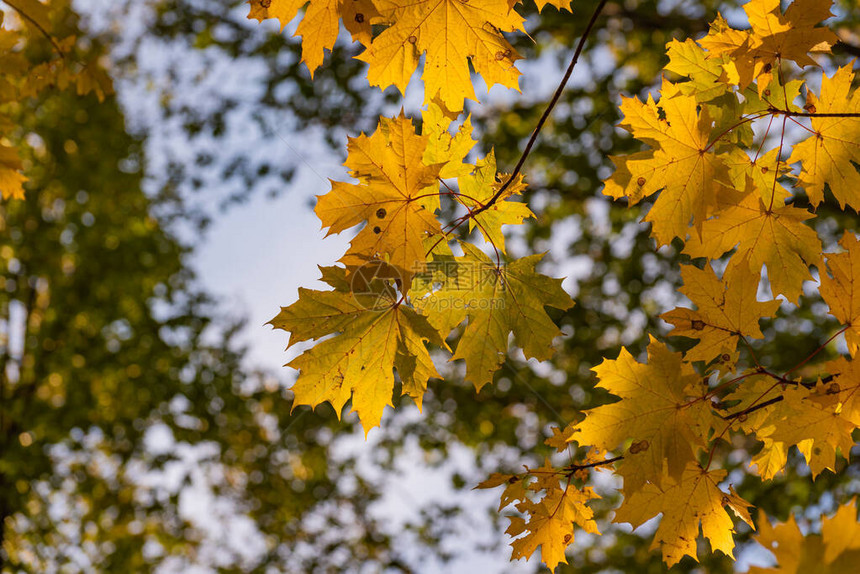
<point x="730" y="128"/>
<point x="816" y="351"/>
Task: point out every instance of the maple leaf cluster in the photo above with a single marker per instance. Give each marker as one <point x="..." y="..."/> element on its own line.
<point x="400" y="285"/>
<point x="724" y="174"/>
<point x="735" y="137"/>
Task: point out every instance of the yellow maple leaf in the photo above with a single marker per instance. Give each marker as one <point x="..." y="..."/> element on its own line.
<point x="809" y="419"/>
<point x="497" y="300"/>
<point x="772" y="37"/>
<point x="548" y="510"/>
<point x="770" y="460"/>
<point x="549" y="522"/>
<point x="559" y="4"/>
<point x="726" y="310"/>
<point x="835" y="551"/>
<point x="774" y="237"/>
<point x="686" y="502"/>
<point x="764" y="170"/>
<point x="794" y="416"/>
<point x="789" y="546"/>
<point x="827" y="154"/>
<point x="452" y="33"/>
<point x="838" y="291"/>
<point x="560" y="437"/>
<point x="657" y="411"/>
<point x="841" y="533"/>
<point x="444" y="148"/>
<point x="320" y="24"/>
<point x="373" y="335"/>
<point x="516" y="487"/>
<point x="844" y="389"/>
<point x="476" y="189"/>
<point x="497" y="479"/>
<point x="682" y="164"/>
<point x="394" y="196"/>
<point x="762" y="397"/>
<point x="11" y="179"/>
<point x="753" y="390"/>
<point x="706" y="74"/>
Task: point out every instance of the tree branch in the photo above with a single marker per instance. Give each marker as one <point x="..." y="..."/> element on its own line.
<point x="38" y="26"/>
<point x="572" y="468"/>
<point x="545" y="116"/>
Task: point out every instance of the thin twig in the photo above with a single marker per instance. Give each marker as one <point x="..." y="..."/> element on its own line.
<point x="571" y="468"/>
<point x="751" y="409"/>
<point x="816" y="351"/>
<point x="791" y="114"/>
<point x="38" y="26"/>
<point x="545" y="116"/>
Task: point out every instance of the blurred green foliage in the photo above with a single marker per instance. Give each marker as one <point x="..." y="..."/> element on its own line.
<point x="108" y="337"/>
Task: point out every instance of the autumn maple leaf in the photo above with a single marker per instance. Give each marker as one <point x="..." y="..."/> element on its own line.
<point x="11" y="179"/>
<point x="808" y="419"/>
<point x="771" y="236"/>
<point x="685" y="503"/>
<point x="834" y="551"/>
<point x="727" y="310"/>
<point x="320" y="24"/>
<point x="838" y="290"/>
<point x="657" y="411"/>
<point x="373" y="335"/>
<point x="394" y="196"/>
<point x="453" y="34"/>
<point x="772" y="37"/>
<point x="828" y="155"/>
<point x="497" y="300"/>
<point x="551" y="523"/>
<point x="478" y="189"/>
<point x="682" y="164"/>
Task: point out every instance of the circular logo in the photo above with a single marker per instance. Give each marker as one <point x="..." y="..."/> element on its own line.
<point x="376" y="285"/>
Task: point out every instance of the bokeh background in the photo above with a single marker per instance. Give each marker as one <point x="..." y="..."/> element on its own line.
<point x="146" y="419"/>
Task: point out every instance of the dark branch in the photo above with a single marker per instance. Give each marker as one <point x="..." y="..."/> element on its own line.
<point x="571" y="468"/>
<point x="545" y="116"/>
<point x="38" y="26"/>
